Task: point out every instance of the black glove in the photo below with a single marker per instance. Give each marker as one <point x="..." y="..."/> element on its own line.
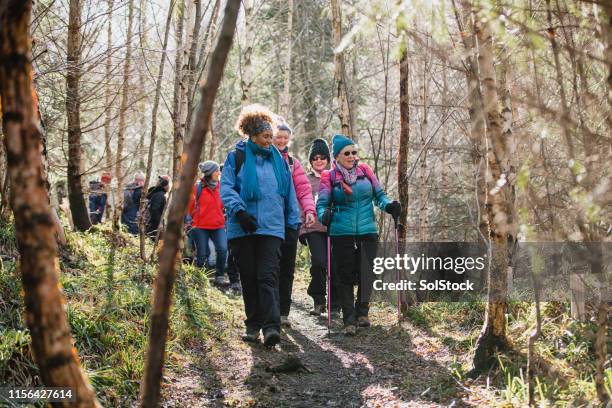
<point x="247" y="222"/>
<point x="394" y="208"/>
<point x="327" y="217"/>
<point x="303" y="240"/>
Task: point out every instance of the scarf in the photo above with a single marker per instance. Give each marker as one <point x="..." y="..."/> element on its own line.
<point x="250" y="186"/>
<point x="208" y="182"/>
<point x="350" y="176"/>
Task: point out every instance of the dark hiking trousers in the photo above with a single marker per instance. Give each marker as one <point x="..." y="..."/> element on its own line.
<point x="354" y="259"/>
<point x="317" y="245"/>
<point x="257" y="258"/>
<point x="287" y="270"/>
<point x="232" y="269"/>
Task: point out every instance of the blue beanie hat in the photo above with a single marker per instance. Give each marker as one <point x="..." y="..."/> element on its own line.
<point x="339" y="142"/>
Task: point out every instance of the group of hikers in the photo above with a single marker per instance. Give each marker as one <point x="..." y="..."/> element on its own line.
<point x="255" y="209"/>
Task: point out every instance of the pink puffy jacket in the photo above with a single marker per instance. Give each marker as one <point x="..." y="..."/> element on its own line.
<point x="303" y="190"/>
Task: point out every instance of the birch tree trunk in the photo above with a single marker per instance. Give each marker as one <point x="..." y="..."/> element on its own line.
<point x="80" y="214"/>
<point x="246" y="77"/>
<point x="493" y="334"/>
<point x="108" y="153"/>
<point x="423" y="171"/>
<point x="341" y="95"/>
<point x="45" y="316"/>
<point x="168" y="259"/>
<point x="404" y="140"/>
<point x="158" y="86"/>
<point x="122" y="119"/>
<point x="286" y="99"/>
<point x="176" y="102"/>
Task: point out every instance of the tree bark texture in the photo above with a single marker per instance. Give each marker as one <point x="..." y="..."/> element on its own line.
<point x="168" y="259"/>
<point x="125" y="89"/>
<point x="341" y="87"/>
<point x="158" y="86"/>
<point x="493" y="334"/>
<point x="45" y="317"/>
<point x="80" y="214"/>
<point x="402" y="154"/>
<point x="177" y="140"/>
<point x="246" y="76"/>
<point x="286" y="99"/>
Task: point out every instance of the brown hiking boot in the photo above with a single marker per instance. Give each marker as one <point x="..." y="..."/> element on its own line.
<point x="363" y="321"/>
<point x="350" y="330"/>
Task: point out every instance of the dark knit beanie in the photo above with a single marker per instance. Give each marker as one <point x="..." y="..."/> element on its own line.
<point x="318" y="147"/>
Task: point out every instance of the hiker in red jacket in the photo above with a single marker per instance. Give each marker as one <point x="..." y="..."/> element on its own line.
<point x="303" y="192"/>
<point x="208" y="220"/>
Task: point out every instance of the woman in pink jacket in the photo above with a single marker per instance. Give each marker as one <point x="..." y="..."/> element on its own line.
<point x="303" y="191"/>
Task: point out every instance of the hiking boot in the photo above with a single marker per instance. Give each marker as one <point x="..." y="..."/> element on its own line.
<point x="350" y="330"/>
<point x="251" y="336"/>
<point x="363" y="321"/>
<point x="271" y="338"/>
<point x="317" y="310"/>
<point x="220" y="281"/>
<point x="285" y="322"/>
<point x="236" y="287"/>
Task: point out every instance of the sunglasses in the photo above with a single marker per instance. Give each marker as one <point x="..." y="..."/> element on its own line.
<point x="354" y="153"/>
<point x="319" y="158"/>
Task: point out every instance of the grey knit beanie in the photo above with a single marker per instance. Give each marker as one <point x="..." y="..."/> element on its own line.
<point x="208" y="167"/>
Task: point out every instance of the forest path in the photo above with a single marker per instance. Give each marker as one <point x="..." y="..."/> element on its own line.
<point x="382" y="366"/>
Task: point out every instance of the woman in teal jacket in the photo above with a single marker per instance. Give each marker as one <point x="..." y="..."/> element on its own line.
<point x="259" y="199"/>
<point x="347" y="195"/>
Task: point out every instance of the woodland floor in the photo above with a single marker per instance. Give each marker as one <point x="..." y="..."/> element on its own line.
<point x="383" y="366"/>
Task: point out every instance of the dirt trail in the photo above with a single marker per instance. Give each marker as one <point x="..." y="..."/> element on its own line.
<point x="383" y="366"/>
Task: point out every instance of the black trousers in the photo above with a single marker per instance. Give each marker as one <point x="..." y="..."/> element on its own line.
<point x="287" y="269"/>
<point x="354" y="259"/>
<point x="257" y="258"/>
<point x="232" y="268"/>
<point x="317" y="244"/>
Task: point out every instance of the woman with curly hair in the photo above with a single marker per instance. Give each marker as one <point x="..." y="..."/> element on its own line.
<point x="258" y="194"/>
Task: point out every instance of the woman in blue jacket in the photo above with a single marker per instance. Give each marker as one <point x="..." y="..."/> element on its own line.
<point x="346" y="196"/>
<point x="259" y="198"/>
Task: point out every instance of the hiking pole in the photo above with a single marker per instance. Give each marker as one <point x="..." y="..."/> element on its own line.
<point x="397" y="272"/>
<point x="328" y="284"/>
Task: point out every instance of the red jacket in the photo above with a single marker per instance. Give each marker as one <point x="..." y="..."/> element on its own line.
<point x="208" y="214"/>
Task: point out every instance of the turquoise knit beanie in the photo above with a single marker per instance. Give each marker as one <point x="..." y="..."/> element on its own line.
<point x="339" y="142"/>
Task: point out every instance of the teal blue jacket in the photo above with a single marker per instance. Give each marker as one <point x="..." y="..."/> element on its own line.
<point x="352" y="214"/>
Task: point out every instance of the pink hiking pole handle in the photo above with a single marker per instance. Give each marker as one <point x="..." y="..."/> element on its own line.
<point x="328" y="283"/>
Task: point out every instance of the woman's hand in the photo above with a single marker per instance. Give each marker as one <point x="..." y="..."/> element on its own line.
<point x="310" y="220"/>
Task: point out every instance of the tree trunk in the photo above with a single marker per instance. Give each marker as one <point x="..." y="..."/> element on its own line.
<point x="190" y="72"/>
<point x="476" y="114"/>
<point x="158" y="86"/>
<point x="423" y="171"/>
<point x="122" y="119"/>
<point x="341" y="95"/>
<point x="45" y="316"/>
<point x="177" y="139"/>
<point x="286" y="99"/>
<point x="169" y="255"/>
<point x="402" y="154"/>
<point x="80" y="214"/>
<point x="108" y="153"/>
<point x="247" y="69"/>
<point x="493" y="334"/>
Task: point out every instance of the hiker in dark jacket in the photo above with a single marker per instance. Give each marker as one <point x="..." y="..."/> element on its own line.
<point x="208" y="220"/>
<point x="131" y="203"/>
<point x="260" y="202"/>
<point x="156" y="202"/>
<point x="344" y="205"/>
<point x="315" y="236"/>
<point x="303" y="193"/>
<point x="97" y="201"/>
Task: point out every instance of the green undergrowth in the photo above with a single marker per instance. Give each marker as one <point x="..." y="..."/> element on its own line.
<point x="108" y="292"/>
<point x="565" y="357"/>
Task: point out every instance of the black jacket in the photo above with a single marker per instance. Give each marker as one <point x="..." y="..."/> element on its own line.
<point x="156" y="201"/>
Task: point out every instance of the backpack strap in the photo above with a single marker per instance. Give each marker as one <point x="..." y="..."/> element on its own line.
<point x="239" y="160"/>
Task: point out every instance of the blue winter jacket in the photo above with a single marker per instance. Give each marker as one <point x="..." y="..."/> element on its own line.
<point x="273" y="212"/>
<point x="352" y="214"/>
